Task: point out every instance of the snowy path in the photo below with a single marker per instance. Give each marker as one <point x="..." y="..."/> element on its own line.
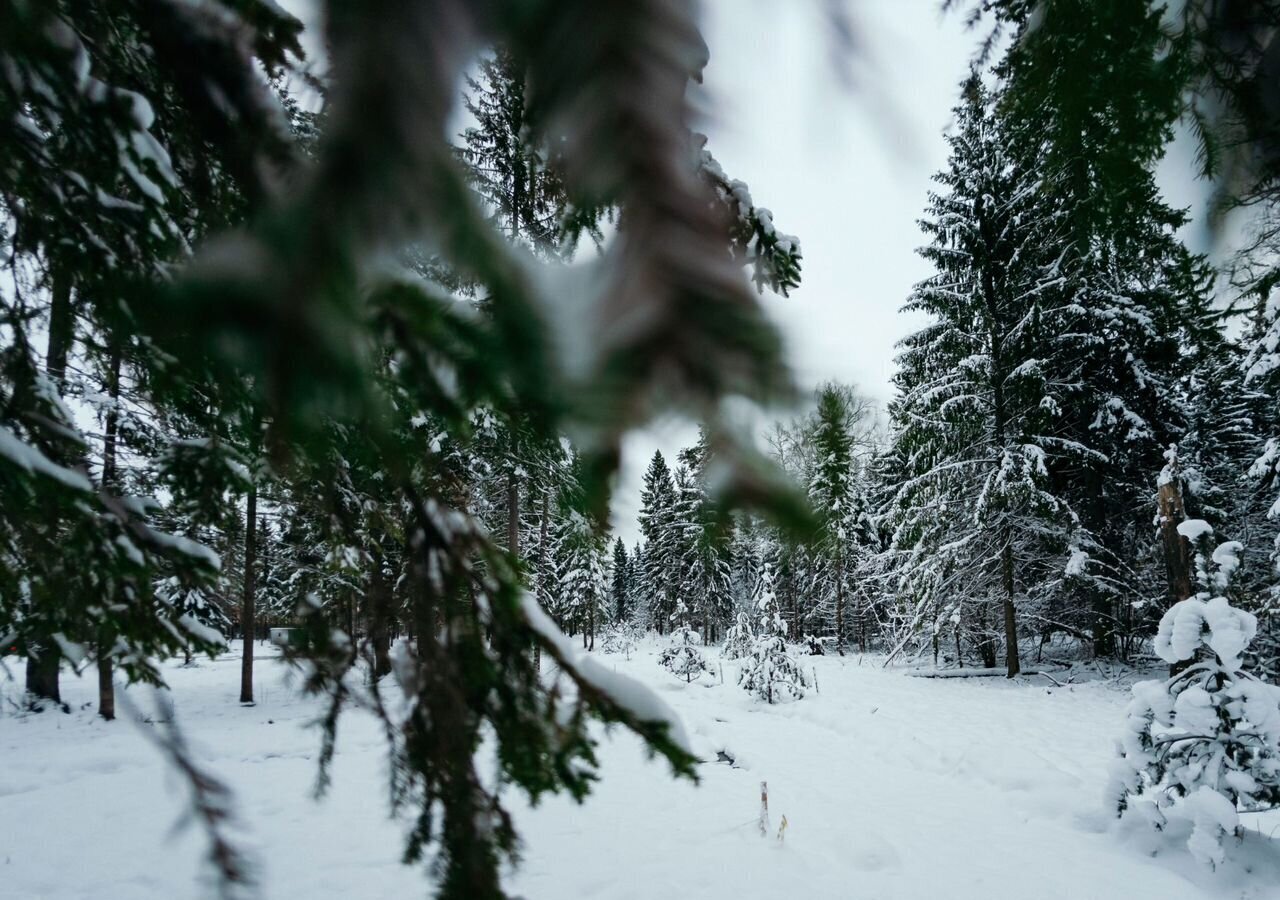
<point x="893" y="787"/>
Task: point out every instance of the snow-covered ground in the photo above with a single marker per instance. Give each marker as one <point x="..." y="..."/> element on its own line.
<point x="892" y="787"/>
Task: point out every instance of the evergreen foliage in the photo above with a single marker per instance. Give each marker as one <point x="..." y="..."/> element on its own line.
<point x="683" y="656"/>
<point x="770" y="673"/>
<point x="340" y="327"/>
<point x="1206" y="742"/>
<point x="975" y="520"/>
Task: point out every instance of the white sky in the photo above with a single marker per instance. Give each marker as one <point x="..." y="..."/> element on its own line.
<point x="845" y="170"/>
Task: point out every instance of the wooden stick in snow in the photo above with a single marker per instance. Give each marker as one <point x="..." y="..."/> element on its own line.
<point x="764" y="808"/>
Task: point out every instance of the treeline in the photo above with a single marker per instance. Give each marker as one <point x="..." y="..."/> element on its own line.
<point x="700" y="566"/>
<point x="1085" y="383"/>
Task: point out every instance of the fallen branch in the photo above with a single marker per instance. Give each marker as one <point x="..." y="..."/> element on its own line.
<point x="972" y="673"/>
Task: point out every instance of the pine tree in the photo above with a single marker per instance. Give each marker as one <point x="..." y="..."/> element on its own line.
<point x="581" y="555"/>
<point x="836" y="492"/>
<point x="1206" y="742"/>
<point x="703" y="542"/>
<point x="510" y="170"/>
<point x="114" y="134"/>
<point x="658" y="580"/>
<point x="739" y="639"/>
<point x="1130" y="289"/>
<point x="683" y="657"/>
<point x="974" y="515"/>
<point x="620" y="578"/>
<point x="770" y="673"/>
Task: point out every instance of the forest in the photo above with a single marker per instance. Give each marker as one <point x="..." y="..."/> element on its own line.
<point x="319" y="352"/>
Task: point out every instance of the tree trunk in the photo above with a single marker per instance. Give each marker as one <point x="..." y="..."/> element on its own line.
<point x="42" y="655"/>
<point x="110" y="482"/>
<point x="1104" y="630"/>
<point x="840" y="609"/>
<point x="1010" y="616"/>
<point x="987" y="642"/>
<point x="543" y="533"/>
<point x="513" y="515"/>
<point x="862" y="626"/>
<point x="380" y="620"/>
<point x="1176" y="551"/>
<point x="248" y="611"/>
<point x="1000" y="412"/>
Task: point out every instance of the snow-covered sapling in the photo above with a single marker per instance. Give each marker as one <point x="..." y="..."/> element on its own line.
<point x="739" y="639"/>
<point x="683" y="656"/>
<point x="1205" y="743"/>
<point x="770" y="672"/>
<point x="620" y="637"/>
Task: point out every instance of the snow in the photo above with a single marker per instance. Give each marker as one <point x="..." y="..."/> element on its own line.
<point x="188" y="547"/>
<point x="1194" y="529"/>
<point x="30" y="459"/>
<point x="1212" y="815"/>
<point x="1184" y="623"/>
<point x="628" y="693"/>
<point x="894" y="788"/>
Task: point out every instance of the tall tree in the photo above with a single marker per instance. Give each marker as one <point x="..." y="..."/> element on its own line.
<point x="836" y="492"/>
<point x="1130" y="287"/>
<point x="975" y="517"/>
<point x="135" y="132"/>
<point x="620" y="580"/>
<point x="658" y="580"/>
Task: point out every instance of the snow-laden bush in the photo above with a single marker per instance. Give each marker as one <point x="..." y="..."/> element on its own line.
<point x="1206" y="742"/>
<point x="770" y="673"/>
<point x="683" y="656"/>
<point x="620" y="637"/>
<point x="739" y="639"/>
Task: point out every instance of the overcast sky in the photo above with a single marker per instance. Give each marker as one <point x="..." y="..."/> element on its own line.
<point x="845" y="170"/>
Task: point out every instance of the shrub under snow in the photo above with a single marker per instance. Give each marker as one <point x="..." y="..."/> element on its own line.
<point x="1205" y="743"/>
<point x="620" y="637"/>
<point x="739" y="639"/>
<point x="683" y="656"/>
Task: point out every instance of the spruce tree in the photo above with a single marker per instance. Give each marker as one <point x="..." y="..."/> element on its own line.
<point x="291" y="362"/>
<point x="975" y="516"/>
<point x="836" y="492"/>
<point x="769" y="672"/>
<point x="620" y="580"/>
<point x="1130" y="291"/>
<point x="658" y="582"/>
<point x="1205" y="742"/>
